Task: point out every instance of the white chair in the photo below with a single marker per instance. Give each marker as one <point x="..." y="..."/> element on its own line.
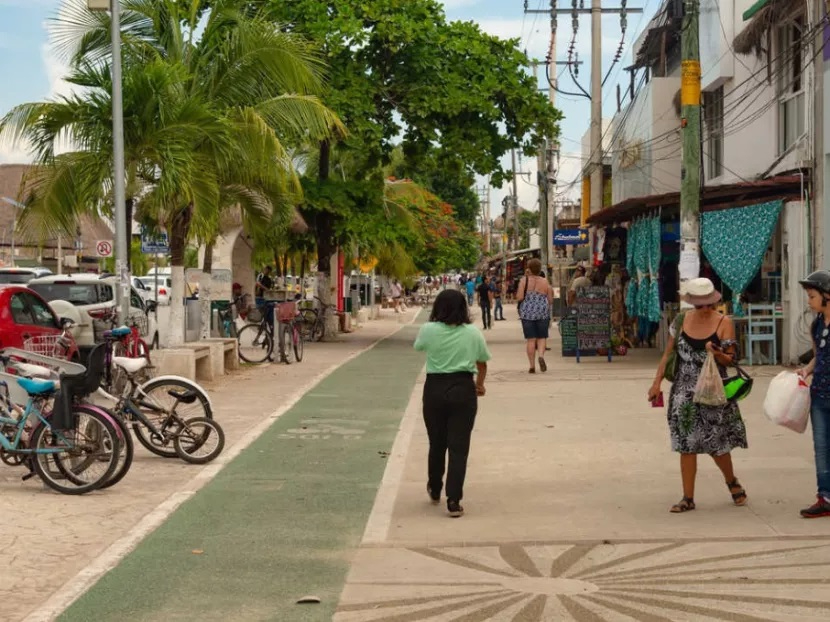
<point x="761" y="328"/>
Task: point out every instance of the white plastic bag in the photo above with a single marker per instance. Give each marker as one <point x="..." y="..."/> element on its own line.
<point x="788" y="401"/>
<point x="709" y="389"/>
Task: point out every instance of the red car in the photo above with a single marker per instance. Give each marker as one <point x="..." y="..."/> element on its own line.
<point x="23" y="315"/>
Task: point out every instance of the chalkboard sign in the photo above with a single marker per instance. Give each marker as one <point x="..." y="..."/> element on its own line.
<point x="568" y="330"/>
<point x="593" y="307"/>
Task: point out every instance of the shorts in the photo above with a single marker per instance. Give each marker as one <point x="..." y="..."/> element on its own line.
<point x="535" y="329"/>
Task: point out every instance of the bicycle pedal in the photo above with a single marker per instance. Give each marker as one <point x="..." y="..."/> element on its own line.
<point x="28" y="476"/>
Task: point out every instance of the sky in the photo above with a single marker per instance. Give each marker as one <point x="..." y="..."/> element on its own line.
<point x="29" y="71"/>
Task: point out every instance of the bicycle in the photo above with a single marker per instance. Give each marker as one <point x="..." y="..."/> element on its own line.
<point x="227" y="321"/>
<point x="256" y="339"/>
<point x="314" y="321"/>
<point x="83" y="444"/>
<point x="156" y="424"/>
<point x="61" y="346"/>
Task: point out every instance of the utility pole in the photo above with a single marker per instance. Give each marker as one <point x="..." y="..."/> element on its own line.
<point x="596" y="12"/>
<point x="690" y="125"/>
<point x="515" y="202"/>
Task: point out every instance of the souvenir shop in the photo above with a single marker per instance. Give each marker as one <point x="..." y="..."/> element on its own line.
<point x="745" y="230"/>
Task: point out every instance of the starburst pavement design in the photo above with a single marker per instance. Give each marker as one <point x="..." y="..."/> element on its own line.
<point x="739" y="580"/>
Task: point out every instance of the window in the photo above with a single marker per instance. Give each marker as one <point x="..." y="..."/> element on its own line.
<point x="20" y="312"/>
<point x="135" y="300"/>
<point x="791" y="99"/>
<point x="79" y="294"/>
<point x="713" y="117"/>
<point x="41" y="313"/>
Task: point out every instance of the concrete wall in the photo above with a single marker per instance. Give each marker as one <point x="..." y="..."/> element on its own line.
<point x="646" y="151"/>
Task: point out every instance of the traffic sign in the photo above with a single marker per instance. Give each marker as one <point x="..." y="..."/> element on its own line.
<point x="154" y="243"/>
<point x="103" y="248"/>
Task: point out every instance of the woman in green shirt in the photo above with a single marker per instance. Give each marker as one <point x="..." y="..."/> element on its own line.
<point x="457" y="358"/>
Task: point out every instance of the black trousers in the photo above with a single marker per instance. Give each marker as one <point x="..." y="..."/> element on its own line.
<point x="450" y="406"/>
<point x="485" y="315"/>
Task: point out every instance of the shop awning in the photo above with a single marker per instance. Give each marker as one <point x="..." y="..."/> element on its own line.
<point x="751" y="11"/>
<point x="784" y="187"/>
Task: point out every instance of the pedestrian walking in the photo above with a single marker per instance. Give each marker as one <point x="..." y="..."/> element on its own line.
<point x="535" y="296"/>
<point x="498" y="309"/>
<point x="696" y="428"/>
<point x="817" y="286"/>
<point x="470" y="287"/>
<point x="457" y="358"/>
<point x="485" y="302"/>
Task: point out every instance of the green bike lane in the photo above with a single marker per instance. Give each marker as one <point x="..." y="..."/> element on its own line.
<point x="282" y="519"/>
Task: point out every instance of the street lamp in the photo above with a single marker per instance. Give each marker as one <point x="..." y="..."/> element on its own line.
<point x="119" y="191"/>
<point x="17" y="206"/>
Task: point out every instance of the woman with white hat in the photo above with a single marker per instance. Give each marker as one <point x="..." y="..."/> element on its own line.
<point x="697" y="428"/>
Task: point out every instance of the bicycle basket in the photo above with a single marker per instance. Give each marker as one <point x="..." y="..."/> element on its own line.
<point x="45" y="345"/>
<point x="287" y="311"/>
<point x="255" y="315"/>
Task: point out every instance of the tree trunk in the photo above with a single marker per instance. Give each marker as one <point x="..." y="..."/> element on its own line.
<point x="179" y="230"/>
<point x="326" y="246"/>
<point x="205" y="291"/>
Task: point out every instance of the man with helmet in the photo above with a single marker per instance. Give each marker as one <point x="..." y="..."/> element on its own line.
<point x="817" y="286"/>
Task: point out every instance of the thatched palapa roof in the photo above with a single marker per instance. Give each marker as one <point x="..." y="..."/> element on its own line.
<point x="751" y="38"/>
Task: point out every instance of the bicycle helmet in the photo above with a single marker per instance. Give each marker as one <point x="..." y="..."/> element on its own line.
<point x="818" y="280"/>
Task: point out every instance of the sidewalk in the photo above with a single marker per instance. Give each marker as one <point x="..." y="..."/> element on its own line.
<point x="48" y="539"/>
<point x="569" y="485"/>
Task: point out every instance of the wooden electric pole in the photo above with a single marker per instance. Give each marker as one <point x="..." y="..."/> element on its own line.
<point x="690" y="125"/>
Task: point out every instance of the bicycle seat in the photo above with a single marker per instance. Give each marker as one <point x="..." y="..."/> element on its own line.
<point x="121" y="331"/>
<point x="129" y="365"/>
<point x="36" y="387"/>
<point x="33" y="371"/>
<point x="185" y="397"/>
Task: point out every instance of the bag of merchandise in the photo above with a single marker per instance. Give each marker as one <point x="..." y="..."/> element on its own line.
<point x="787" y="402"/>
<point x="709" y="388"/>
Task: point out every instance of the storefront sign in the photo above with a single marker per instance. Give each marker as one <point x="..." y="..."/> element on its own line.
<point x="593" y="307"/>
<point x="568" y="332"/>
<point x="570" y="237"/>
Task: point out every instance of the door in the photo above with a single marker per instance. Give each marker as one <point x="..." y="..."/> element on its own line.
<point x="32" y="318"/>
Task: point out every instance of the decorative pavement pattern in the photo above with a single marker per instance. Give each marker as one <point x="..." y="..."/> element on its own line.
<point x="740" y="580"/>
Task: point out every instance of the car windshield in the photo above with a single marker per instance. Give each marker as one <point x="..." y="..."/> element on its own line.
<point x="79" y="294"/>
<point x="16" y="278"/>
<point x="150" y="281"/>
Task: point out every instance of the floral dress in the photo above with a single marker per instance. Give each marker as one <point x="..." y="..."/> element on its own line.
<point x="697" y="428"/>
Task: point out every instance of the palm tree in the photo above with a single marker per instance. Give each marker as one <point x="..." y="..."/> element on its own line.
<point x="207" y="120"/>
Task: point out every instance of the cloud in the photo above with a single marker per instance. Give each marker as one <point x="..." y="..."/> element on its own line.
<point x="13" y="155"/>
<point x="456" y="4"/>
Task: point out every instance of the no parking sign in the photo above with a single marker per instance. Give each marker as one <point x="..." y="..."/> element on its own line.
<point x="103" y="248"/>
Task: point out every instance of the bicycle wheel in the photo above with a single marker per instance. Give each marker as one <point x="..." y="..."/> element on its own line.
<point x="125" y="458"/>
<point x="255" y="344"/>
<point x="308" y="318"/>
<point x="319" y="330"/>
<point x="89" y="456"/>
<point x="199" y="435"/>
<point x="160" y="399"/>
<point x="299" y="342"/>
<point x="286" y="342"/>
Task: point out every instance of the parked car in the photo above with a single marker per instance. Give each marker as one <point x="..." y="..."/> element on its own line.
<point x="164" y="284"/>
<point x="143" y="290"/>
<point x="24" y="315"/>
<point x="88" y="300"/>
<point x="21" y="276"/>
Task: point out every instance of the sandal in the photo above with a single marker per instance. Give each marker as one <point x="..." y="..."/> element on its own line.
<point x="542" y="365"/>
<point x="686" y="504"/>
<point x="739" y="497"/>
<point x="532" y="370"/>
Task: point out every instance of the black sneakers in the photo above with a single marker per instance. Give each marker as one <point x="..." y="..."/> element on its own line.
<point x="820" y="508"/>
<point x="435" y="499"/>
<point x="454" y="508"/>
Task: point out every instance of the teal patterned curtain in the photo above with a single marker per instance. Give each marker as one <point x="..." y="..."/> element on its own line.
<point x="735" y="240"/>
<point x="643" y="264"/>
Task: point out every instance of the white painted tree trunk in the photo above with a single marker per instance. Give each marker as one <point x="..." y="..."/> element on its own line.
<point x="176" y="328"/>
<point x="328" y="294"/>
<point x="205" y="290"/>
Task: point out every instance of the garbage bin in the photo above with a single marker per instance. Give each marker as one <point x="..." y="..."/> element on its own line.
<point x="192" y="320"/>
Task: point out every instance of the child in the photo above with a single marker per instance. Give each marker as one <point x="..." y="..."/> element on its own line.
<point x="817" y="286"/>
<point x="457" y="358"/>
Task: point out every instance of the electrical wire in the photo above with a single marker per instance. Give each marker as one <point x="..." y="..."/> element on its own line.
<point x="572" y="49"/>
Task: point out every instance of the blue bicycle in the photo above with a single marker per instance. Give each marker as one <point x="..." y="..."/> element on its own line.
<point x="72" y="450"/>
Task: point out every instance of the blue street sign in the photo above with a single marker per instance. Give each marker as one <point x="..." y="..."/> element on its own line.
<point x="154" y="243"/>
<point x="570" y="237"/>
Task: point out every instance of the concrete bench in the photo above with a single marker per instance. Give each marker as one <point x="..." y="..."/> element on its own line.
<point x="230" y="351"/>
<point x="191" y="360"/>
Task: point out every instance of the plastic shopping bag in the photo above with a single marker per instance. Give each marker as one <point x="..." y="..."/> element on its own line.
<point x="788" y="401"/>
<point x="709" y="388"/>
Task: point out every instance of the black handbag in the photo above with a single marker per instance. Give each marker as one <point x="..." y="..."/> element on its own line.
<point x="519" y="304"/>
<point x="738" y="386"/>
